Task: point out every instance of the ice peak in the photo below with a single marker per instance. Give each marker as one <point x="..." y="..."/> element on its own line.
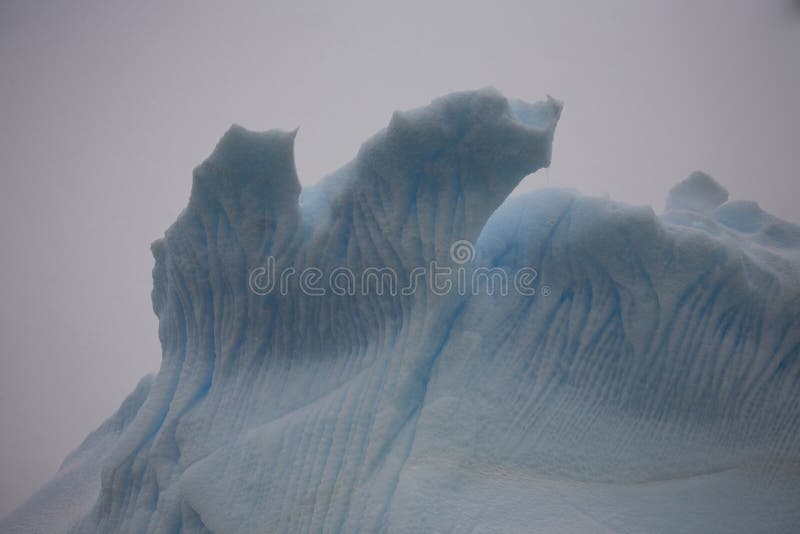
<point x="249" y="163"/>
<point x="699" y="192"/>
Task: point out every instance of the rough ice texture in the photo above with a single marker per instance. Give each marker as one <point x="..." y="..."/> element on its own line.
<point x="655" y="388"/>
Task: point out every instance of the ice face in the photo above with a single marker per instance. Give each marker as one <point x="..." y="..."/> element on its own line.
<point x="642" y="378"/>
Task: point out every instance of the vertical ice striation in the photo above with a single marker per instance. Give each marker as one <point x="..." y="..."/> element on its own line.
<point x="650" y="383"/>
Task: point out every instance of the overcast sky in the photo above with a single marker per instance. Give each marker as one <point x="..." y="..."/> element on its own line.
<point x="104" y="111"/>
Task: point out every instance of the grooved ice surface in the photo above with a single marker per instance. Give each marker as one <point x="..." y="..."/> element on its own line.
<point x="650" y="384"/>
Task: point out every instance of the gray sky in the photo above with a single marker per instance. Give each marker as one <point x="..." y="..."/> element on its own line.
<point x="104" y="111"/>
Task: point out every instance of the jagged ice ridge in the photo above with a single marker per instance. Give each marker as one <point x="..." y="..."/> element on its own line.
<point x="650" y="384"/>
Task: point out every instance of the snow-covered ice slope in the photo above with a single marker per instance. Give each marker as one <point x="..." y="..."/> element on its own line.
<point x="650" y="383"/>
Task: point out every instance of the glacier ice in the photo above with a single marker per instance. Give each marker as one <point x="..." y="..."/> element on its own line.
<point x="650" y="384"/>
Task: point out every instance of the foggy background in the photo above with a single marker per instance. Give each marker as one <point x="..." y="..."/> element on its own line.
<point x="105" y="110"/>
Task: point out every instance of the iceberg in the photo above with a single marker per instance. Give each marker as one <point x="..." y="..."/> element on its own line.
<point x="403" y="348"/>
